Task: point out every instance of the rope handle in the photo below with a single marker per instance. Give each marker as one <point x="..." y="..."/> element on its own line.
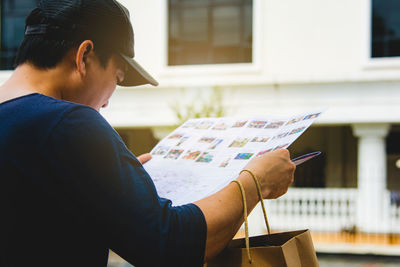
<point x="259" y="196"/>
<point x="246" y="225"/>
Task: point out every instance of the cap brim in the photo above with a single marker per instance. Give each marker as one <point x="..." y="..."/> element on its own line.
<point x="135" y="74"/>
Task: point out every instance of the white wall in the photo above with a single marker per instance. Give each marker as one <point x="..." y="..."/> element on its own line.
<point x="299" y="40"/>
<point x="307" y="54"/>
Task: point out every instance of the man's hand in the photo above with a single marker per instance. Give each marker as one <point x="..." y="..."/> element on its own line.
<point x="144" y="158"/>
<point x="274" y="171"/>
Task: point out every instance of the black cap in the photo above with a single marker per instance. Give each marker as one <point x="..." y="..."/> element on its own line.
<point x="105" y="22"/>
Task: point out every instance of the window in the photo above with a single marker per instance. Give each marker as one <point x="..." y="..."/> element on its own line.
<point x="385" y="28"/>
<point x="13" y="14"/>
<point x="210" y="31"/>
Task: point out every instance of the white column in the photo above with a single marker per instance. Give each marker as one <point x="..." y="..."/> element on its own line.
<point x="371" y="176"/>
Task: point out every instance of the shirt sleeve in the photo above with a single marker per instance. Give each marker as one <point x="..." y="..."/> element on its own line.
<point x="118" y="199"/>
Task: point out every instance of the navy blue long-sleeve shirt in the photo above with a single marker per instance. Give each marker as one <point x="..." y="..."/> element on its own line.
<point x="70" y="190"/>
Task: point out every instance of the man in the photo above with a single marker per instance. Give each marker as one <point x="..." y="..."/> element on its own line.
<point x="70" y="190"/>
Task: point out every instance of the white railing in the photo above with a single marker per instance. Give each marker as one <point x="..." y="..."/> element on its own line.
<point x="325" y="210"/>
<point x="321" y="210"/>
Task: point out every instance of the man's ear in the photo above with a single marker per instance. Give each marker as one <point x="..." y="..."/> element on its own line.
<point x="84" y="50"/>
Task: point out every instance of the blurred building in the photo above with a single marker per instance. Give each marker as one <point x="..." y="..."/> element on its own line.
<point x="275" y="57"/>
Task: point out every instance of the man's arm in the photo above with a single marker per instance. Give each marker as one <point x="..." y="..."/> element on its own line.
<point x="223" y="210"/>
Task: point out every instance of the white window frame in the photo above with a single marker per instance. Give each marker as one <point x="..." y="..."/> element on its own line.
<point x="220" y="69"/>
<point x="369" y="62"/>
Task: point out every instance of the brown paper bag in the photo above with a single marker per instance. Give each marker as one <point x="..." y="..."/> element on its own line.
<point x="291" y="249"/>
<point x="287" y="249"/>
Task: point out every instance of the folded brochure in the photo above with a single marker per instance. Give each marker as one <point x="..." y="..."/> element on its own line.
<point x="203" y="155"/>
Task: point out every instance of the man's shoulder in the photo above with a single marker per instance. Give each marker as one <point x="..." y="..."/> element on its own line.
<point x="31" y="105"/>
<point x="37" y="116"/>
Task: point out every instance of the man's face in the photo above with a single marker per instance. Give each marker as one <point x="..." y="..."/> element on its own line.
<point x="101" y="82"/>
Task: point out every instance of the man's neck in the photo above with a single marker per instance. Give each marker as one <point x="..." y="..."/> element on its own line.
<point x="27" y="79"/>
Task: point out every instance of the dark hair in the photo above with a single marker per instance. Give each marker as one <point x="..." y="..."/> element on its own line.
<point x="45" y="52"/>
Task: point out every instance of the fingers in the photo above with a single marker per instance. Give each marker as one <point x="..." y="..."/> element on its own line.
<point x="286" y="154"/>
<point x="144" y="158"/>
<point x="275" y="171"/>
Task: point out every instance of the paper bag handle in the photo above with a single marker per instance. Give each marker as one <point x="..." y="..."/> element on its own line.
<point x="246" y="224"/>
<point x="259" y="196"/>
